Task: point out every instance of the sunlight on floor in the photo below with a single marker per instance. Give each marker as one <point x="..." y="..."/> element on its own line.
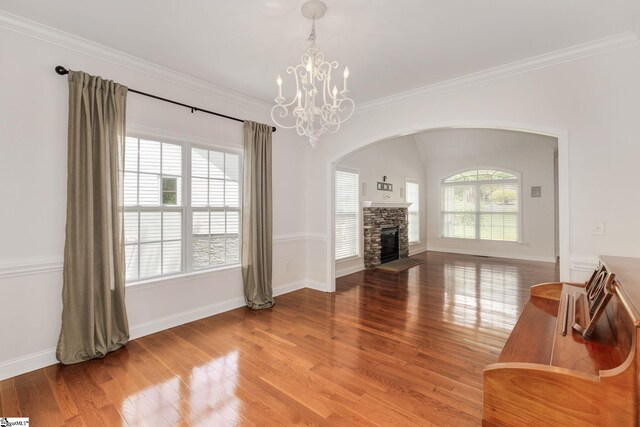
<point x="205" y="397"/>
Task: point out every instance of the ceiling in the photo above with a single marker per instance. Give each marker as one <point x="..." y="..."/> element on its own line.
<point x="389" y="46"/>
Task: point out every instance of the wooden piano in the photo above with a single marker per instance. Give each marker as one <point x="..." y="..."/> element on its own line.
<point x="545" y="378"/>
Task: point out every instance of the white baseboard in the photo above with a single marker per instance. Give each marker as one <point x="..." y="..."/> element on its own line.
<point x="318" y="286"/>
<point x="349" y="270"/>
<point x="178" y="319"/>
<point x="41" y="359"/>
<point x="30" y="362"/>
<point x="416" y="249"/>
<point x="493" y="254"/>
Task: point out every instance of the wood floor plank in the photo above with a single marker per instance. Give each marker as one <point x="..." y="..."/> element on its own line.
<point x="385" y="349"/>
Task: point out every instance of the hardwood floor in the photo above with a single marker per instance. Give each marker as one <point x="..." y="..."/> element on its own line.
<point x="385" y="349"/>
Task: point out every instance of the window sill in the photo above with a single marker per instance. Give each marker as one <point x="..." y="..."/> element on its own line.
<point x="349" y="258"/>
<point x="166" y="280"/>
<point x="462" y="239"/>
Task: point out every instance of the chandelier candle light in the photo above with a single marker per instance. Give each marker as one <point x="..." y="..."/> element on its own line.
<point x="317" y="106"/>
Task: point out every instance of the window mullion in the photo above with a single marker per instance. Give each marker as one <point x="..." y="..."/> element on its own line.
<point x="187" y="238"/>
<point x="477" y="211"/>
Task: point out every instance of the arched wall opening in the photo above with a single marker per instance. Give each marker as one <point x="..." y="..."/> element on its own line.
<point x="560" y="135"/>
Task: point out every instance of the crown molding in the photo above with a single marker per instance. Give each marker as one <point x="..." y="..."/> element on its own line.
<point x="27" y="27"/>
<point x="596" y="47"/>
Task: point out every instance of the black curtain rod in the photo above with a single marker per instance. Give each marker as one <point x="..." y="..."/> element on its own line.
<point x="62" y="71"/>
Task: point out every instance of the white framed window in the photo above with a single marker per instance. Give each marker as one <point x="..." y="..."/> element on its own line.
<point x="412" y="195"/>
<point x="481" y="204"/>
<point x="347" y="214"/>
<point x="169" y="189"/>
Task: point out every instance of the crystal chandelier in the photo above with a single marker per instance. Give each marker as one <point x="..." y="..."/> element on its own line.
<point x="317" y="106"/>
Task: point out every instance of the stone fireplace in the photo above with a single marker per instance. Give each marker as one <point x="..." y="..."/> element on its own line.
<point x="379" y="216"/>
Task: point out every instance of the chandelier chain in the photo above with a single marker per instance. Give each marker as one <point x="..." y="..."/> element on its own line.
<point x="312" y="35"/>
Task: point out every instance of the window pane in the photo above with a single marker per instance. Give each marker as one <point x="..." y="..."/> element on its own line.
<point x="233" y="223"/>
<point x="170" y="191"/>
<point x="149" y="190"/>
<point x="199" y="192"/>
<point x="233" y="237"/>
<point x="498" y="198"/>
<point x="459" y="198"/>
<point x="462" y="226"/>
<point x="347" y="213"/>
<point x="217" y="249"/>
<point x="171" y="159"/>
<point x="131" y="154"/>
<point x="131" y="261"/>
<point x="200" y="253"/>
<point x="199" y="163"/>
<point x="232" y="166"/>
<point x="150" y="226"/>
<point x="216" y="164"/>
<point x="130" y="227"/>
<point x="231" y="194"/>
<point x="217" y="223"/>
<point x="171" y="257"/>
<point x="499" y="226"/>
<point x="412" y="196"/>
<point x="216" y="193"/>
<point x="171" y="225"/>
<point x="200" y="224"/>
<point x="200" y="244"/>
<point x="130" y="189"/>
<point x="169" y="198"/>
<point x="150" y="257"/>
<point x="218" y="238"/>
<point x="149" y="156"/>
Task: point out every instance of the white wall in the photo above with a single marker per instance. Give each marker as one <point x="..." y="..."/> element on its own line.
<point x="33" y="129"/>
<point x="452" y="150"/>
<point x="592" y="100"/>
<point x="397" y="159"/>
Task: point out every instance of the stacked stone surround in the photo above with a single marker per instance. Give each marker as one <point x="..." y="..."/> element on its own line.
<point x="374" y="220"/>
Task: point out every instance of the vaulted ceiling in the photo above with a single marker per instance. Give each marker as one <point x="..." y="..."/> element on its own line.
<point x="389" y="46"/>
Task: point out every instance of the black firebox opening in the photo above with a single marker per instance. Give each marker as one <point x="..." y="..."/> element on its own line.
<point x="389" y="249"/>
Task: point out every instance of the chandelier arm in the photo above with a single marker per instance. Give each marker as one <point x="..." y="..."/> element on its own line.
<point x="278" y="122"/>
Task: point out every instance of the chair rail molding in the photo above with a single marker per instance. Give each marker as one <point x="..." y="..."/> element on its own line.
<point x="27" y="266"/>
<point x="584" y="262"/>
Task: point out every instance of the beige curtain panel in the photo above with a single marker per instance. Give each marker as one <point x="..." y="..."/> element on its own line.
<point x="256" y="216"/>
<point x="94" y="317"/>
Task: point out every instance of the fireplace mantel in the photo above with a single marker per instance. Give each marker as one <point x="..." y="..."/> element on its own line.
<point x="371" y="204"/>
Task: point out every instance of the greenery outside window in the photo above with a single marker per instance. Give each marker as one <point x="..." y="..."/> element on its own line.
<point x="481" y="204"/>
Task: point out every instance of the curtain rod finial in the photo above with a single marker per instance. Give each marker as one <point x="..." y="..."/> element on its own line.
<point x="61" y="70"/>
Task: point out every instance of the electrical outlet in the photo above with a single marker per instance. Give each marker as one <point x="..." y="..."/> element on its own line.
<point x="597" y="228"/>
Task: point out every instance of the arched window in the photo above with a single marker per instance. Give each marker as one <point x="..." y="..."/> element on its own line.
<point x="481" y="204"/>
